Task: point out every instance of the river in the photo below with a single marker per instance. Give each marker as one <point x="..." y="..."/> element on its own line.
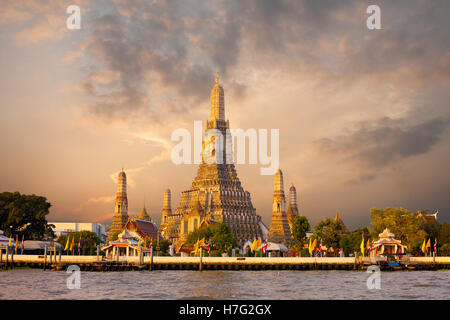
<point x="38" y="284"/>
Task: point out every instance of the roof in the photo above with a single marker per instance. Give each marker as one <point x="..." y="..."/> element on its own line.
<point x="144" y="215"/>
<point x="38" y="245"/>
<point x="145" y="229"/>
<point x="272" y="246"/>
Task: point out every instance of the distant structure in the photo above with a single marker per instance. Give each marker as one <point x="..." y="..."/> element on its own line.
<point x="166" y="212"/>
<point x="279" y="231"/>
<point x="144" y="215"/>
<point x="63" y="228"/>
<point x="428" y="217"/>
<point x="120" y="217"/>
<point x="216" y="192"/>
<point x="292" y="210"/>
<point x="133" y="232"/>
<point x="339" y="220"/>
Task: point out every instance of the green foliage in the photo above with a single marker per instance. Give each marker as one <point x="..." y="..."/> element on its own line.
<point x="164" y="245"/>
<point x="89" y="241"/>
<point x="25" y="215"/>
<point x="352" y="242"/>
<point x="299" y="228"/>
<point x="444" y="234"/>
<point x="115" y="235"/>
<point x="405" y="225"/>
<point x="330" y="232"/>
<point x="444" y="250"/>
<point x="220" y="234"/>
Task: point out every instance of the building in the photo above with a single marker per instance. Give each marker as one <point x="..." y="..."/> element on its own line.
<point x="120" y="216"/>
<point x="339" y="220"/>
<point x="279" y="231"/>
<point x="63" y="228"/>
<point x="127" y="243"/>
<point x="216" y="190"/>
<point x="292" y="210"/>
<point x="144" y="215"/>
<point x="166" y="212"/>
<point x="387" y="245"/>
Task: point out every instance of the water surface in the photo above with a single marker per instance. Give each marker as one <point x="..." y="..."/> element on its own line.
<point x="38" y="284"/>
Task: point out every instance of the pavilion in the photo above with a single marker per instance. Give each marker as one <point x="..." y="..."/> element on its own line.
<point x="387" y="245"/>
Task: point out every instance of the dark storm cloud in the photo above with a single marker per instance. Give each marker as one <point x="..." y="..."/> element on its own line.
<point x="374" y="145"/>
<point x="182" y="45"/>
<point x="179" y="46"/>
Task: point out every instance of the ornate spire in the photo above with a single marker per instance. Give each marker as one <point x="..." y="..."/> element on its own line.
<point x="144" y="215"/>
<point x="217" y="101"/>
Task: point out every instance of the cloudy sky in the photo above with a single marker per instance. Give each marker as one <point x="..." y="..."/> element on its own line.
<point x="363" y="114"/>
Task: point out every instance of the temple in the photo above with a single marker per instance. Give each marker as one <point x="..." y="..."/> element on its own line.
<point x="216" y="192"/>
<point x="120" y="217"/>
<point x="280" y="230"/>
<point x="292" y="210"/>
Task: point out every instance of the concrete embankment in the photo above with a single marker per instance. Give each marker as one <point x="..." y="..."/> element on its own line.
<point x="94" y="263"/>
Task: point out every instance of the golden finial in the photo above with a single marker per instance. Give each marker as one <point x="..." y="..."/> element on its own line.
<point x="217" y="78"/>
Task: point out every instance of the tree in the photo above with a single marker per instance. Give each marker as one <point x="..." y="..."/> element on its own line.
<point x="299" y="228"/>
<point x="220" y="235"/>
<point x="444" y="234"/>
<point x="352" y="242"/>
<point x="88" y="243"/>
<point x="406" y="226"/>
<point x="25" y="215"/>
<point x="329" y="231"/>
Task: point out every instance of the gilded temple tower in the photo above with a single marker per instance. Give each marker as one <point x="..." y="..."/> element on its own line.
<point x="121" y="207"/>
<point x="166" y="213"/>
<point x="280" y="231"/>
<point x="216" y="192"/>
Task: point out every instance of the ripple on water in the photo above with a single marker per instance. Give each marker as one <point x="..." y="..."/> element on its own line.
<point x="37" y="284"/>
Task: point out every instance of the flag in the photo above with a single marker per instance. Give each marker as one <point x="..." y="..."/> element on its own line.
<point x="258" y="243"/>
<point x="371" y="246"/>
<point x="423" y="246"/>
<point x="79" y="244"/>
<point x="435" y="245"/>
<point x="253" y="247"/>
<point x="362" y="245"/>
<point x="428" y="245"/>
<point x="22" y="245"/>
<point x="67" y="244"/>
<point x="320" y="247"/>
<point x="9" y="243"/>
<point x="72" y="244"/>
<point x="209" y="247"/>
<point x="17" y="243"/>
<point x="264" y="247"/>
<point x="151" y="243"/>
<point x="313" y="245"/>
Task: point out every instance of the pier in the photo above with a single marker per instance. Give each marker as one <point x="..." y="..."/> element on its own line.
<point x="99" y="263"/>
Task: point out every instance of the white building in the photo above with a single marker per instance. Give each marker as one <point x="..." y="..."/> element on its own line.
<point x="62" y="228"/>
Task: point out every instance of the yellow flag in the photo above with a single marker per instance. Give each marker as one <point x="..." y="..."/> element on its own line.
<point x="202" y="242"/>
<point x="9" y="243"/>
<point x="362" y="245"/>
<point x="309" y="246"/>
<point x="196" y="246"/>
<point x="423" y="246"/>
<point x="253" y="247"/>
<point x="67" y="243"/>
<point x="314" y="245"/>
<point x="258" y="243"/>
<point x="428" y="245"/>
